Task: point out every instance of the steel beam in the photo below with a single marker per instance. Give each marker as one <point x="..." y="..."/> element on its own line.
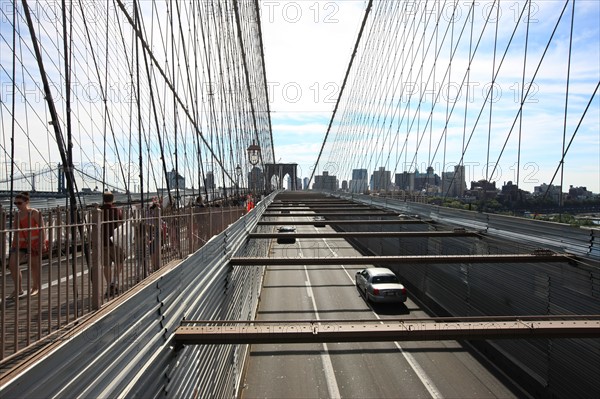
<point x="325" y="209"/>
<point x="341" y="213"/>
<point x="330" y="222"/>
<point x="312" y="202"/>
<point x="401" y="260"/>
<point x="378" y="331"/>
<point x="356" y="234"/>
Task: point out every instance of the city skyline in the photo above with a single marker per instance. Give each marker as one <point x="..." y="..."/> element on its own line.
<point x="302" y="101"/>
<point x="369" y="178"/>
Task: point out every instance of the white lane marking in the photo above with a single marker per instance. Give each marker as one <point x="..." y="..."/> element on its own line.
<point x="410" y="359"/>
<point x="427" y="382"/>
<point x="309" y="289"/>
<point x="332" y="385"/>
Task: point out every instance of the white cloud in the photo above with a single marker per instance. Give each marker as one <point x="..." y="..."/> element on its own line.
<point x="373" y="102"/>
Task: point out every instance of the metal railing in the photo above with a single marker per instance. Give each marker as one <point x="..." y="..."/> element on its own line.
<point x="72" y="280"/>
<point x="126" y="349"/>
<point x="543" y="366"/>
<point x="532" y="233"/>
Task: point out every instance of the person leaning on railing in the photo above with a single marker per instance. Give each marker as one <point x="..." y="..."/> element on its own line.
<point x="29" y="226"/>
<point x="112" y="218"/>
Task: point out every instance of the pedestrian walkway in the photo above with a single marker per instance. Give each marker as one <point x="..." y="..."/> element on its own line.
<point x="68" y="294"/>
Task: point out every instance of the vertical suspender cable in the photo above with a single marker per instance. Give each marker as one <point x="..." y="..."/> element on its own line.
<point x="68" y="169"/>
<point x="461" y="166"/>
<point x="12" y="124"/>
<point x="362" y="27"/>
<point x="140" y="138"/>
<point x="562" y="161"/>
<point x="491" y="97"/>
<point x="71" y="205"/>
<point x="175" y="124"/>
<point x="448" y="100"/>
<point x="139" y="108"/>
<point x="523" y="91"/>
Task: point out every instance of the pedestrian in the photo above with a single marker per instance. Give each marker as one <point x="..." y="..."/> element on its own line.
<point x="249" y="203"/>
<point x="154" y="231"/>
<point x="29" y="240"/>
<point x="112" y="217"/>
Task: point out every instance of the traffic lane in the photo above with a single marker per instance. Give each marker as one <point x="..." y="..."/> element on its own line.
<point x="282" y="370"/>
<point x="444" y="367"/>
<point x="290" y="370"/>
<point x="285" y="370"/>
<point x="363" y="370"/>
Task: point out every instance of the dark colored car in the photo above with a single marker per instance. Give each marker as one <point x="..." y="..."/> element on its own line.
<point x="379" y="284"/>
<point x="283" y="239"/>
<point x="319" y="221"/>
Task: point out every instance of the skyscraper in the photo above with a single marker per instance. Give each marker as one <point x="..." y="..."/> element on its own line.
<point x="381" y="179"/>
<point x="358" y="184"/>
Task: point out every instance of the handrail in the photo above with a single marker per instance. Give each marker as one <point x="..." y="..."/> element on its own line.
<point x="71" y="288"/>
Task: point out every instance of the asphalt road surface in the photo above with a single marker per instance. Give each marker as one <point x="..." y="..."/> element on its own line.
<point x="441" y="369"/>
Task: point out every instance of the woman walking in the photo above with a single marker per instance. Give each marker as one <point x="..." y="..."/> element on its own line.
<point x="29" y="226"/>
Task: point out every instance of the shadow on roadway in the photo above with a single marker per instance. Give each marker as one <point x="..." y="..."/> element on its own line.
<point x="388" y="309"/>
<point x="308" y="285"/>
<point x="312" y="311"/>
<point x="356" y="351"/>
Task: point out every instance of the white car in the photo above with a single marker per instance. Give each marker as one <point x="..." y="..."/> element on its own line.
<point x="379" y="284"/>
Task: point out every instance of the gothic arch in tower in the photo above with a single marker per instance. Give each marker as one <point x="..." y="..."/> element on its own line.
<point x="280" y="170"/>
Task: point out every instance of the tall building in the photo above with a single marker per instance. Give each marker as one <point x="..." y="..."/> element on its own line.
<point x="359" y="181"/>
<point x="482" y="189"/>
<point x="256" y="180"/>
<point x="381" y="180"/>
<point x="453" y="183"/>
<point x="427" y="182"/>
<point x="579" y="193"/>
<point x="175" y="180"/>
<point x="209" y="181"/>
<point x="325" y="182"/>
<point x="305" y="183"/>
<point x="405" y="181"/>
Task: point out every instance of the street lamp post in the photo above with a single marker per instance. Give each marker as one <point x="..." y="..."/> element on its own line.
<point x="238" y="173"/>
<point x="253" y="157"/>
<point x="253" y="153"/>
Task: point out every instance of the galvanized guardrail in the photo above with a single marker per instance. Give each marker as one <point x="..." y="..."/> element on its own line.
<point x="536" y="233"/>
<point x="545" y="367"/>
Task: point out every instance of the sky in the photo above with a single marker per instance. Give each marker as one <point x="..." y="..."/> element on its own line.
<point x="307" y="48"/>
<point x="308" y="45"/>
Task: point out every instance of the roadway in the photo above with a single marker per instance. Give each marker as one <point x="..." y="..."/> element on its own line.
<point x="353" y="370"/>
